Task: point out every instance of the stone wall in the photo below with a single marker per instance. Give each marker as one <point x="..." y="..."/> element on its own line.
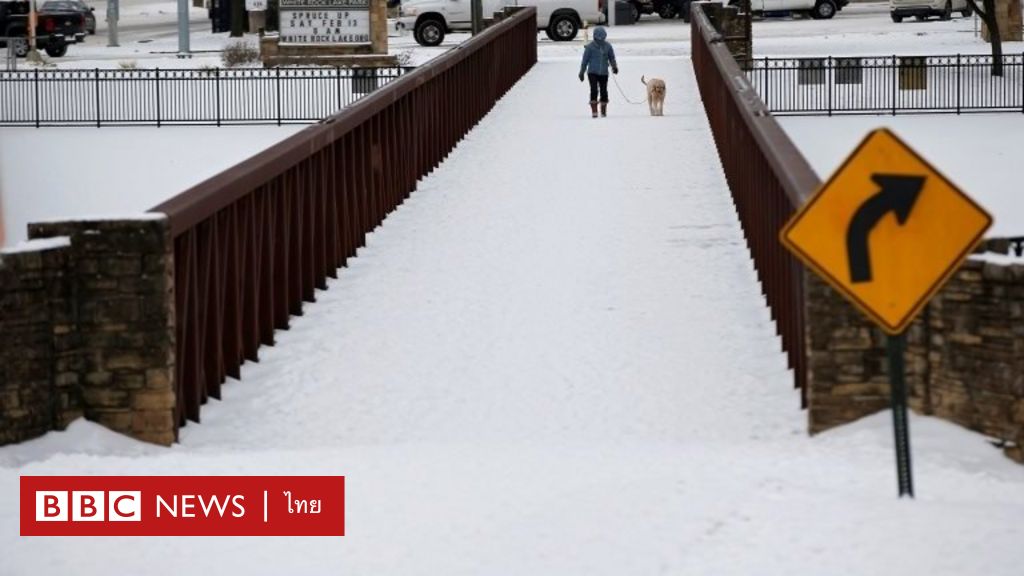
<point x="36" y="394"/>
<point x="964" y="358"/>
<point x="88" y="329"/>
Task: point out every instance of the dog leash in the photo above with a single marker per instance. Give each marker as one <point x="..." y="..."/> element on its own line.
<point x="616" y="80"/>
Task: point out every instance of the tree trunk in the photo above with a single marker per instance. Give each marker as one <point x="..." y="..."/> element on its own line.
<point x="992" y="21"/>
<point x="238" y="21"/>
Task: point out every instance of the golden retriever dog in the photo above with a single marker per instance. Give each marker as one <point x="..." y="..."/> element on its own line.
<point x="655" y="95"/>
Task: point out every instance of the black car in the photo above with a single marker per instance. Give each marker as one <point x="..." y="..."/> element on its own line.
<point x="72" y="6"/>
<point x="54" y="30"/>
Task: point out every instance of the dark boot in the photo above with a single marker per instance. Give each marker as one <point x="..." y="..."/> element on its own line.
<point x="593" y="109"/>
<point x="604" y="109"/>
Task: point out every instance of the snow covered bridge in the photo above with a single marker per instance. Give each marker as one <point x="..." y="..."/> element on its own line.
<point x="553" y="358"/>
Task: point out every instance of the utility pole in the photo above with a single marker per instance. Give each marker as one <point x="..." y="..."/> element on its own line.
<point x="238" y="22"/>
<point x="477" y="16"/>
<point x="184" y="49"/>
<point x="33" y="54"/>
<point x="113" y="15"/>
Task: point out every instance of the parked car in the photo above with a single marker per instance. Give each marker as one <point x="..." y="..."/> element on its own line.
<point x="430" y="20"/>
<point x="922" y="9"/>
<point x="79" y="6"/>
<point x="54" y="31"/>
<point x="669" y="9"/>
<point x="818" y="9"/>
<point x="640" y="7"/>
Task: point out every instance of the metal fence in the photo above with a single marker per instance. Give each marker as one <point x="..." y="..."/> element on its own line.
<point x="767" y="175"/>
<point x="195" y="96"/>
<point x="887" y="84"/>
<point x="255" y="242"/>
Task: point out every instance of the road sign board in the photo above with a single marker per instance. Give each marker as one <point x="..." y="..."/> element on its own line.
<point x="887" y="230"/>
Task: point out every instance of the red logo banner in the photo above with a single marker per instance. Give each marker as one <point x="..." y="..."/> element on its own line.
<point x="182" y="506"/>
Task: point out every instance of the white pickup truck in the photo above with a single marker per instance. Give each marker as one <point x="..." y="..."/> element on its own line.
<point x="820" y="9"/>
<point x="430" y="20"/>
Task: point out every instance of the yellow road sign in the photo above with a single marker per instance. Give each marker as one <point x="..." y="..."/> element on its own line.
<point x="887" y="230"/>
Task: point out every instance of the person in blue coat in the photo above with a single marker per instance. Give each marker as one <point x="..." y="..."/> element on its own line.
<point x="598" y="56"/>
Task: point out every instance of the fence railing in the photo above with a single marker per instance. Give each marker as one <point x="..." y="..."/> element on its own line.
<point x="767" y="176"/>
<point x="196" y="96"/>
<point x="887" y="84"/>
<point x="255" y="242"/>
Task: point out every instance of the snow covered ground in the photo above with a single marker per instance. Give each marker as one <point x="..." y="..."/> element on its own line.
<point x="865" y="29"/>
<point x="861" y="28"/>
<point x="564" y="369"/>
<point x="55" y="173"/>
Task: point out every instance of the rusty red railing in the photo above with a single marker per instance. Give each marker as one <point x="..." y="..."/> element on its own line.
<point x="768" y="177"/>
<point x="255" y="242"/>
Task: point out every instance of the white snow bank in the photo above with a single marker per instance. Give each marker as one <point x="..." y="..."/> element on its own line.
<point x="866" y="29"/>
<point x="39" y="245"/>
<point x="979" y="153"/>
<point x="140" y="217"/>
<point x="54" y="174"/>
<point x="566" y="369"/>
<point x="1003" y="259"/>
<point x="80" y="438"/>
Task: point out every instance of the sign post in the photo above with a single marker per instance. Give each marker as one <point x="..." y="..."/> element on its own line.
<point x="184" y="46"/>
<point x="477" y="16"/>
<point x="113" y="15"/>
<point x="887" y="231"/>
<point x="900" y="423"/>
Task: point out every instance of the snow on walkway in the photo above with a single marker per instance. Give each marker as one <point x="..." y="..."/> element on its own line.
<point x="554" y="359"/>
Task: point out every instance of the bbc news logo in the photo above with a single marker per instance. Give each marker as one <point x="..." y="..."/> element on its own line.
<point x="182" y="506"/>
<point x="88" y="506"/>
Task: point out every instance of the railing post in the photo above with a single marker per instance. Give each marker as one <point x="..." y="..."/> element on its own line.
<point x="958" y="83"/>
<point x="767" y="91"/>
<point x="278" y="83"/>
<point x="98" y="109"/>
<point x="830" y="78"/>
<point x="895" y="83"/>
<point x="337" y="71"/>
<point x="158" y="115"/>
<point x="216" y="77"/>
<point x="36" y="85"/>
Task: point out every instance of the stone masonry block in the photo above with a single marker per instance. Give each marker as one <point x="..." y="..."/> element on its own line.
<point x="119" y="420"/>
<point x="154" y="400"/>
<point x="162" y="438"/>
<point x="105" y="398"/>
<point x="159" y="378"/>
<point x="153" y="421"/>
<point x="125" y="360"/>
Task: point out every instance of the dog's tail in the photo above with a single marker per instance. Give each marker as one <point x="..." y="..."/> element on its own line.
<point x="643" y="80"/>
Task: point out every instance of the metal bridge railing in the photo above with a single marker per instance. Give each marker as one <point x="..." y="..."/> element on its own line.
<point x="255" y="242"/>
<point x="156" y="97"/>
<point x="830" y="85"/>
<point x="767" y="175"/>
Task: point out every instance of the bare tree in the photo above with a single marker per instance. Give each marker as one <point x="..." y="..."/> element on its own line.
<point x="988" y="16"/>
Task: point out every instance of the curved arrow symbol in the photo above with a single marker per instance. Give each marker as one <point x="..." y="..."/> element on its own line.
<point x="898" y="194"/>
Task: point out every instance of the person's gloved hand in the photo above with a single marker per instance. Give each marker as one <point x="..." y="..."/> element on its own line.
<point x="581" y="76"/>
<point x="615" y="69"/>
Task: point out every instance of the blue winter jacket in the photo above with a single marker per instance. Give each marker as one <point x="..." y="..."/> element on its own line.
<point x="598" y="55"/>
